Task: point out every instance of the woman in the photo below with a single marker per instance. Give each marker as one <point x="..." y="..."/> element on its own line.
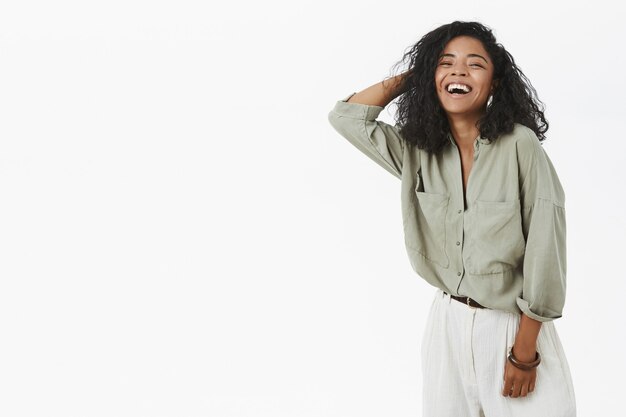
<point x="484" y="222"/>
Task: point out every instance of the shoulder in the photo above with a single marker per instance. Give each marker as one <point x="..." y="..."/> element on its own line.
<point x="524" y="142"/>
<point x="520" y="135"/>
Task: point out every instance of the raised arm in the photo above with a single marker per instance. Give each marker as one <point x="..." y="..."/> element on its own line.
<point x="354" y="118"/>
<point x="381" y="93"/>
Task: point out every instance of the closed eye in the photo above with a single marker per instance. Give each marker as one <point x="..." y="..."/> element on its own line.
<point x="471" y="65"/>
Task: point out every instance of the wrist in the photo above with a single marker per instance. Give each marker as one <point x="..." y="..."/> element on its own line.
<point x="524" y="364"/>
<point x="524" y="353"/>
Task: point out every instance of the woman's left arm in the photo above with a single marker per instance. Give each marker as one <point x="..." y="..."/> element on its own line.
<point x="526" y="339"/>
<point x="542" y="201"/>
<point x="519" y="382"/>
<point x="544" y="267"/>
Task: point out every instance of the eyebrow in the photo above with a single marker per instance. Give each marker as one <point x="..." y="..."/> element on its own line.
<point x="469" y="56"/>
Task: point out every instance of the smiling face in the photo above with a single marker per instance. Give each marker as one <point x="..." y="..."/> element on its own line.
<point x="464" y="61"/>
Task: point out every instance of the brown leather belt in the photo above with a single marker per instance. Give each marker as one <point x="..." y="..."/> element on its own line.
<point x="466" y="300"/>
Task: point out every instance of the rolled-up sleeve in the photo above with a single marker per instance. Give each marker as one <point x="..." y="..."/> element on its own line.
<point x="543" y="221"/>
<point x="380" y="141"/>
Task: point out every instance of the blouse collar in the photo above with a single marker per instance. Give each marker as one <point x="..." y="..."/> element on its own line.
<point x="479" y="139"/>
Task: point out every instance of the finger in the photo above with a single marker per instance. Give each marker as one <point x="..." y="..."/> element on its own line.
<point x="508" y="385"/>
<point x="524" y="390"/>
<point x="515" y="390"/>
<point x="531" y="386"/>
<point x="508" y="381"/>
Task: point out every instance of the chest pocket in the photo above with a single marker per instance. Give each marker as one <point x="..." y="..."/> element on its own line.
<point x="429" y="237"/>
<point x="496" y="242"/>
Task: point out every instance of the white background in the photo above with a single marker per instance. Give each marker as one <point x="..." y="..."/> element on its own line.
<point x="182" y="232"/>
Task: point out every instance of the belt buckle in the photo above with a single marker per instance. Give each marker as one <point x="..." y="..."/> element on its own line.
<point x="468" y="303"/>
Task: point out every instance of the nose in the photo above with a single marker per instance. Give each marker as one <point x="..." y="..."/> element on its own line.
<point x="458" y="71"/>
<point x="458" y="68"/>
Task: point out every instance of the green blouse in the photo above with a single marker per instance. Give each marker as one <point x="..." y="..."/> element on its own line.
<point x="507" y="250"/>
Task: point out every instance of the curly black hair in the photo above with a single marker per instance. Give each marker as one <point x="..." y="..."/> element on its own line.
<point x="421" y="119"/>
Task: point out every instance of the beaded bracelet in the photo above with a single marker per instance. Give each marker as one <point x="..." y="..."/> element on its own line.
<point x="524" y="365"/>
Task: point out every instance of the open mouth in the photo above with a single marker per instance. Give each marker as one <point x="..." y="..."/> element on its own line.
<point x="456" y="89"/>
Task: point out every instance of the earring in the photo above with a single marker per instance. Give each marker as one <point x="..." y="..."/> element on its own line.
<point x="489" y="100"/>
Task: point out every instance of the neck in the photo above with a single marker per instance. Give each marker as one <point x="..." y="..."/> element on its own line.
<point x="463" y="129"/>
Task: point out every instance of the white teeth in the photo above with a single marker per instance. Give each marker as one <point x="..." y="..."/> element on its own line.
<point x="460" y="86"/>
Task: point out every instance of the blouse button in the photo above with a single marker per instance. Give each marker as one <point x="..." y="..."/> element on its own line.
<point x="459" y="211"/>
<point x="458" y="243"/>
<point x="458" y="273"/>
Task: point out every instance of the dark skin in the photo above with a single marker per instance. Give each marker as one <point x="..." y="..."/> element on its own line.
<point x="517" y="382"/>
<point x="466" y="61"/>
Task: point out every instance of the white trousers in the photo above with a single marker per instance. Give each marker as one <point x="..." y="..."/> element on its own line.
<point x="464" y="351"/>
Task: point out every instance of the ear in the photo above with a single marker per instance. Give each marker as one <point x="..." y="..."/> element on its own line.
<point x="494" y="85"/>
